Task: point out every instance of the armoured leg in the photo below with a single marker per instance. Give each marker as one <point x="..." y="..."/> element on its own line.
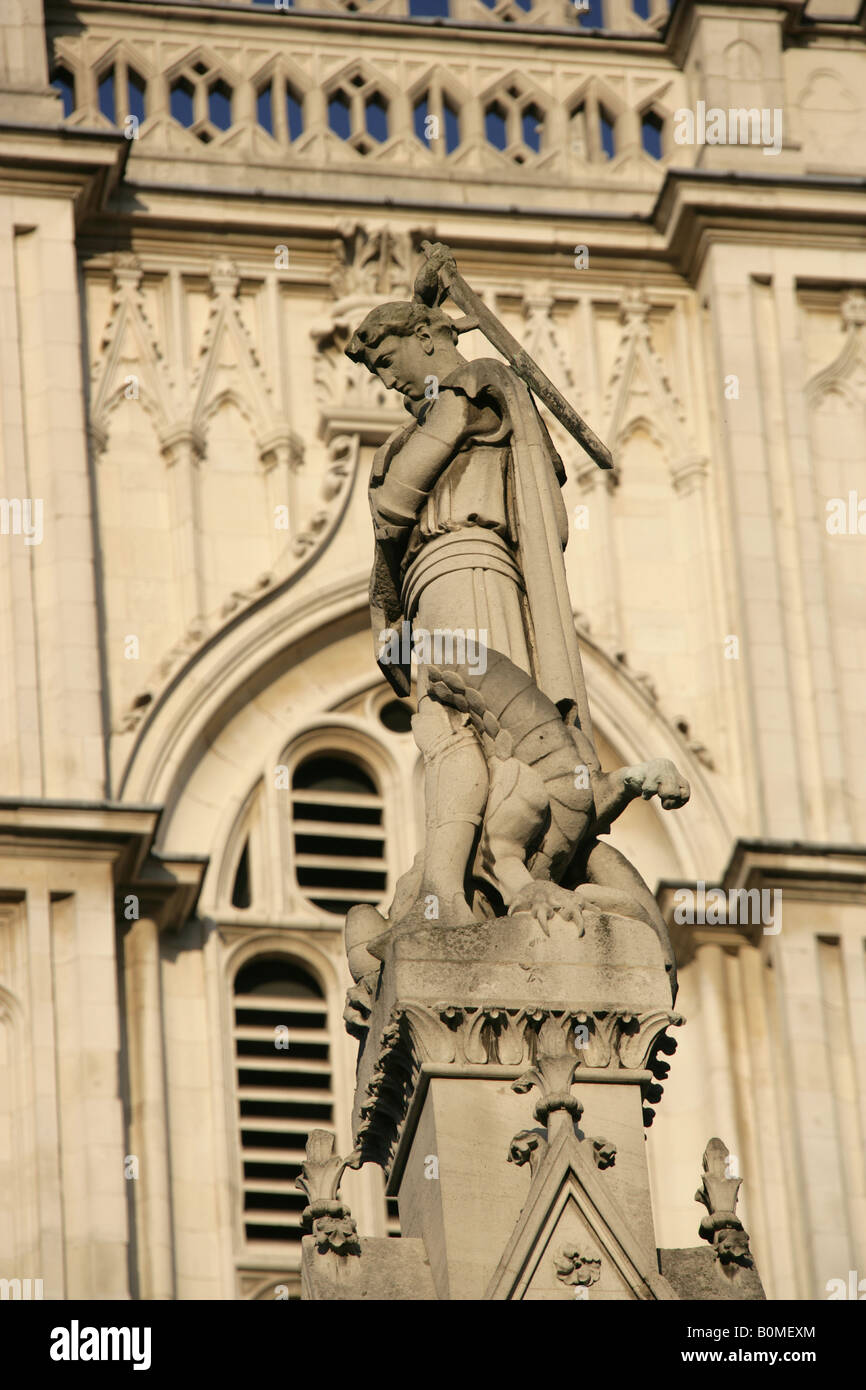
<point x="455" y="792"/>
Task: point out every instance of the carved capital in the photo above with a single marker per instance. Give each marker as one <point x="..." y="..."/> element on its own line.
<point x="553" y="1046"/>
<point x="182" y="443"/>
<point x="690" y="474"/>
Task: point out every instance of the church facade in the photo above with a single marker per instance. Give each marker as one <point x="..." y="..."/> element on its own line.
<point x="202" y="767"/>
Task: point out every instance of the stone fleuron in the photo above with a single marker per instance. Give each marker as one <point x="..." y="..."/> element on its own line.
<point x="575" y="1266"/>
<point x="469" y="578"/>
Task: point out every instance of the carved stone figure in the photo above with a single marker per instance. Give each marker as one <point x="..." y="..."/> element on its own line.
<point x="469" y="578"/>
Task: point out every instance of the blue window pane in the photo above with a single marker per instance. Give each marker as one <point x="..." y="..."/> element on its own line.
<point x="265" y="110"/>
<point x="294" y="116"/>
<point x="424" y="9"/>
<point x="590" y="14"/>
<point x="62" y="82"/>
<point x="530" y="123"/>
<point x="641" y="8"/>
<point x="377" y="118"/>
<point x="651" y="134"/>
<point x="219" y="105"/>
<point x="452" y="127"/>
<point x="180" y="102"/>
<point x="524" y="4"/>
<point x="106" y="96"/>
<point x="339" y="117"/>
<point x="605" y="123"/>
<point x="494" y="127"/>
<point x="137" y="89"/>
<point x="420" y="116"/>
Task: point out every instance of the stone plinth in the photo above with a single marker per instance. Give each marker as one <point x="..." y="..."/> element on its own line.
<point x="384" y="1270"/>
<point x="508" y="1192"/>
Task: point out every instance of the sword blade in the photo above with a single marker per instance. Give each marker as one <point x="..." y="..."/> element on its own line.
<point x="529" y="371"/>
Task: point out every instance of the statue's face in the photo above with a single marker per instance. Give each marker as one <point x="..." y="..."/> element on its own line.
<point x="404" y="363"/>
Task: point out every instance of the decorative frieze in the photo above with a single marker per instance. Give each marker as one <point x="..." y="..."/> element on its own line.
<point x="488" y="1036"/>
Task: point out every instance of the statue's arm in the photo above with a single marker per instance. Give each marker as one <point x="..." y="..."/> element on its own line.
<point x="414" y="468"/>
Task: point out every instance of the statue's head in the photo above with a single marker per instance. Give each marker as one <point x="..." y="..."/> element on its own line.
<point x="404" y="344"/>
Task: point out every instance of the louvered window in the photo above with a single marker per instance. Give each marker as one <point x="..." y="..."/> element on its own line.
<point x="283" y="1065"/>
<point x="338" y="834"/>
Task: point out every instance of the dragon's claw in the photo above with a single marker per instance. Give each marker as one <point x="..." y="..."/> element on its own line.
<point x="543" y="900"/>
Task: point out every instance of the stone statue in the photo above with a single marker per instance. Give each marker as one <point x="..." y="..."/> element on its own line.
<point x="469" y="576"/>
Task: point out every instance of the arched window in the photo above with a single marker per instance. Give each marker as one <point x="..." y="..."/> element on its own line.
<point x="242" y="887"/>
<point x="338" y="834"/>
<point x="282" y="1049"/>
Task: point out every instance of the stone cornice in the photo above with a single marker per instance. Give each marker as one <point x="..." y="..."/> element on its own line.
<point x="693" y="209"/>
<point x="696" y="207"/>
<point x="670" y="39"/>
<point x="84" y="165"/>
<point x="397" y="26"/>
<point x="62" y="829"/>
<point x="167" y="886"/>
<point x="805" y="872"/>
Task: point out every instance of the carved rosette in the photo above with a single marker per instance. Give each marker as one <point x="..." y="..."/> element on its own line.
<point x="575" y="1266"/>
<point x="480" y="1036"/>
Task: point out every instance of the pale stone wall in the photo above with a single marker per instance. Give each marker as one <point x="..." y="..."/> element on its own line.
<point x="174" y="390"/>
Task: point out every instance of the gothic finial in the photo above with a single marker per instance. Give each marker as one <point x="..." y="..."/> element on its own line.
<point x="327" y="1217"/>
<point x="718" y="1192"/>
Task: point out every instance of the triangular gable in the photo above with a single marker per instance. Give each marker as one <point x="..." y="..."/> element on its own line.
<point x="567" y="1198"/>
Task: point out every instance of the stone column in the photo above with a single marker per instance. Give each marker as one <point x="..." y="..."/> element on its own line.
<point x="148" y="1128"/>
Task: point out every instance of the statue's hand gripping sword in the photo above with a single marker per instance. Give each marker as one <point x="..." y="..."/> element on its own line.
<point x="438" y="278"/>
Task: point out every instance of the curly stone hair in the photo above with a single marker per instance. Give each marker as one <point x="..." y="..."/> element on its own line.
<point x="398" y="319"/>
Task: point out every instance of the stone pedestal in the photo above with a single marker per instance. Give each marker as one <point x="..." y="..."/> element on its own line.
<point x="505" y="1081"/>
<point x="461" y="1015"/>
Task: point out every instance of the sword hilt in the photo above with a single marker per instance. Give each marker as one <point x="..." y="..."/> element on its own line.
<point x="438" y="277"/>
